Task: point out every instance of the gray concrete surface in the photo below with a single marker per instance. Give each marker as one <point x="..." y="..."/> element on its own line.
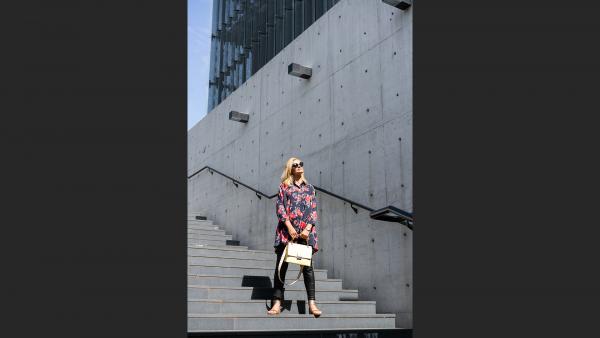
<point x="292" y="306"/>
<point x="351" y="124"/>
<point x="322" y="284"/>
<point x="287" y="322"/>
<point x="226" y="296"/>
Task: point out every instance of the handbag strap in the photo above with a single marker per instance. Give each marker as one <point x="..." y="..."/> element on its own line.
<point x="281" y="263"/>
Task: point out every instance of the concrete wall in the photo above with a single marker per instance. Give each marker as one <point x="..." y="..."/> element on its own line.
<point x="351" y="124"/>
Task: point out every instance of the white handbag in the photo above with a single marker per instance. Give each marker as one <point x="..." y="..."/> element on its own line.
<point x="297" y="254"/>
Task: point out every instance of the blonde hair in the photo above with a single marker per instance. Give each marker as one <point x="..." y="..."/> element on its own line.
<point x="286" y="176"/>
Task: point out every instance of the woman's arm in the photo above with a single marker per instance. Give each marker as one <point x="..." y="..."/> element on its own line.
<point x="280" y="206"/>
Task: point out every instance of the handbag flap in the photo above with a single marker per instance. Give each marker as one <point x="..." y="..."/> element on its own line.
<point x="299" y="250"/>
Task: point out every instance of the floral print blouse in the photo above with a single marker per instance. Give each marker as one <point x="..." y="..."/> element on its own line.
<point x="301" y="209"/>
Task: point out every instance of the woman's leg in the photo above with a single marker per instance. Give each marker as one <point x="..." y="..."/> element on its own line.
<point x="309" y="277"/>
<point x="278" y="290"/>
<point x="309" y="280"/>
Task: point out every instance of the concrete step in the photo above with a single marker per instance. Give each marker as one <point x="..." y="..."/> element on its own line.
<point x="228" y="261"/>
<point x="216" y="242"/>
<point x="243" y="292"/>
<point x="292" y="271"/>
<point x="286" y="322"/>
<point x="228" y="242"/>
<point x="203" y="227"/>
<point x="209" y="237"/>
<point x="219" y="306"/>
<point x="195" y="247"/>
<point x="261" y="281"/>
<point x="200" y="222"/>
<point x="196" y="215"/>
<point x="206" y="231"/>
<point x="232" y="252"/>
<point x="194" y="218"/>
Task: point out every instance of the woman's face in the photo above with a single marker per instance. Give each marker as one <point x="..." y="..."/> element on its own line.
<point x="297" y="167"/>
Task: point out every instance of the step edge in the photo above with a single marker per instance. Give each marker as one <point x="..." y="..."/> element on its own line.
<point x="233" y="249"/>
<point x="243" y="258"/>
<point x="205" y="229"/>
<point x="191" y="239"/>
<point x="334" y="330"/>
<point x="224" y="246"/>
<point x="239" y="276"/>
<point x="262" y="287"/>
<point x="243" y="267"/>
<point x="214" y="231"/>
<point x="291" y="315"/>
<point x="213" y="236"/>
<point x="211" y="300"/>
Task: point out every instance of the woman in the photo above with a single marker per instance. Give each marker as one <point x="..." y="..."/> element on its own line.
<point x="296" y="209"/>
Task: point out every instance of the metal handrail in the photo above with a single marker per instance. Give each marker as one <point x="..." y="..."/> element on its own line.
<point x="400" y="216"/>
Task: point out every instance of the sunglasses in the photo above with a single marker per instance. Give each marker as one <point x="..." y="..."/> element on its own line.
<point x="295" y="165"/>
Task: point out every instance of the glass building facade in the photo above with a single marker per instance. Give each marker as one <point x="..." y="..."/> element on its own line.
<point x="246" y="34"/>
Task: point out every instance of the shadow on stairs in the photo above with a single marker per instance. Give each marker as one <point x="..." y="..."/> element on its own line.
<point x="230" y="286"/>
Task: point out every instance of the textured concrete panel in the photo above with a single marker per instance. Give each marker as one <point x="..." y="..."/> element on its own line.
<point x="396" y="61"/>
<point x="398" y="167"/>
<point x="311" y="49"/>
<point x="246" y="152"/>
<point x="353" y="29"/>
<point x="316" y="167"/>
<point x="358" y="246"/>
<point x="358" y="173"/>
<point x="271" y="97"/>
<point x="392" y="19"/>
<point x="275" y="141"/>
<point x="247" y="101"/>
<point x="393" y="267"/>
<point x="200" y="143"/>
<point x="284" y="81"/>
<point x="311" y="120"/>
<point x="356" y="91"/>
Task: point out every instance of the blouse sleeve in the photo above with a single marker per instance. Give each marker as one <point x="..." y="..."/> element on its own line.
<point x="279" y="205"/>
<point x="312" y="215"/>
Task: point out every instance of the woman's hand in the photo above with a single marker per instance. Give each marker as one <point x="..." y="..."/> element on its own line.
<point x="304" y="234"/>
<point x="292" y="232"/>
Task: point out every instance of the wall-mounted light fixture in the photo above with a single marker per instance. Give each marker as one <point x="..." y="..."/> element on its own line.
<point x="400" y="4"/>
<point x="295" y="69"/>
<point x="239" y="117"/>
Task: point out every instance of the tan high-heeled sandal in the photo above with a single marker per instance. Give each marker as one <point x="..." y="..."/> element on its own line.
<point x="275" y="309"/>
<point x="312" y="308"/>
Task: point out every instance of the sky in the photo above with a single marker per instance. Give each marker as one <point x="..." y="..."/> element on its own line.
<point x="199" y="29"/>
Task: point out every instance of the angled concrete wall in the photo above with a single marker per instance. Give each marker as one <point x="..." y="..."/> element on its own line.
<point x="351" y="124"/>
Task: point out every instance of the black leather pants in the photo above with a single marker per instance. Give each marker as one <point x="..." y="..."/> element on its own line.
<point x="307" y="271"/>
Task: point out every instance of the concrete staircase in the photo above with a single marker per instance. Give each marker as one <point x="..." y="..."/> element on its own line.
<point x="230" y="288"/>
